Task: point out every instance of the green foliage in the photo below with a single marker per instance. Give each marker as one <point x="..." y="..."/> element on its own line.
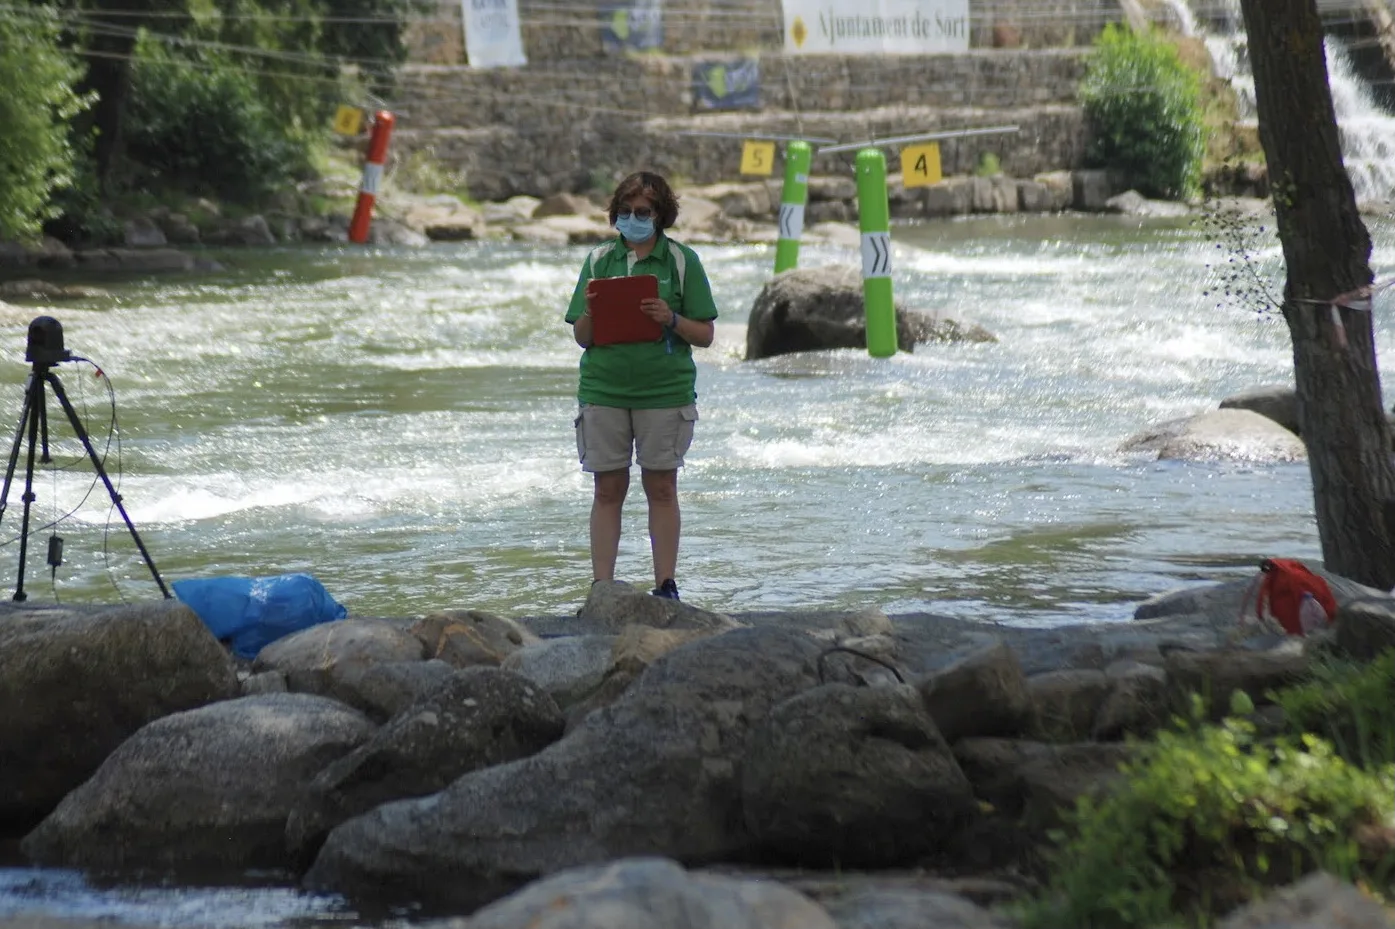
<point x="1145" y="113"/>
<point x="1353" y="705"/>
<point x="1204" y="816"/>
<point x="988" y="165"/>
<point x="200" y="123"/>
<point x="36" y="152"/>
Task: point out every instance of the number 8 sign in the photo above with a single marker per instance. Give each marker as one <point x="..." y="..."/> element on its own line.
<point x="757" y="157"/>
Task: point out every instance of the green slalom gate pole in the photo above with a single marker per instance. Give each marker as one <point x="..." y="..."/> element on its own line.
<point x="874" y="218"/>
<point x="792" y="199"/>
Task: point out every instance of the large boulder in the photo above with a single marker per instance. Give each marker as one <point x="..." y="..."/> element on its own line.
<point x="983" y="693"/>
<point x="75" y="685"/>
<point x="656" y="773"/>
<point x="477" y="718"/>
<point x="1220" y="435"/>
<point x="209" y="788"/>
<point x="615" y="605"/>
<point x="647" y="893"/>
<point x="321" y="658"/>
<point x="811" y="309"/>
<point x="1276" y="402"/>
<point x="834" y="775"/>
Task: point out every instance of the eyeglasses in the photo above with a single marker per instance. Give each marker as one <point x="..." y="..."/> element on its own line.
<point x="642" y="212"/>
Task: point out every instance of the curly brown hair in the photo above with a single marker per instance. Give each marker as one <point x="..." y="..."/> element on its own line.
<point x="653" y="187"/>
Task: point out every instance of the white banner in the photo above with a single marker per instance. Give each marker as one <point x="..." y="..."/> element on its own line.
<point x="493" y="36"/>
<point x="857" y="27"/>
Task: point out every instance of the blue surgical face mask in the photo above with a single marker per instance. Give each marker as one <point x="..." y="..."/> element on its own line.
<point x="634" y="229"/>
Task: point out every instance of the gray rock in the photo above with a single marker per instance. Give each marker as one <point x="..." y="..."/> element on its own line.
<point x="1277" y="402"/>
<point x="1066" y="703"/>
<point x="812" y="309"/>
<point x="382" y="689"/>
<point x="142" y="232"/>
<point x="1366" y="627"/>
<point x="1138" y="702"/>
<point x="183" y="791"/>
<point x="615" y="605"/>
<point x="308" y="657"/>
<point x="834" y="775"/>
<point x="563" y="204"/>
<point x="75" y="685"/>
<point x="647" y="893"/>
<point x="1237" y="435"/>
<point x="135" y="261"/>
<point x="654" y="774"/>
<point x="982" y="694"/>
<point x="251" y="230"/>
<point x="1215" y="675"/>
<point x="476" y="718"/>
<point x="1091" y="190"/>
<point x="1318" y="901"/>
<point x="1221" y="435"/>
<point x="910" y="909"/>
<point x="464" y="638"/>
<point x="1132" y="203"/>
<point x="569" y="669"/>
<point x="267" y="682"/>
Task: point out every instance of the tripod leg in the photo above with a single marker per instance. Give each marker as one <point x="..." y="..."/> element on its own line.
<point x="14" y="449"/>
<point x="101" y="472"/>
<point x="36" y="404"/>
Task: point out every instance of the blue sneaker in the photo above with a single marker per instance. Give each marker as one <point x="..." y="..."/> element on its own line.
<point x="668" y="590"/>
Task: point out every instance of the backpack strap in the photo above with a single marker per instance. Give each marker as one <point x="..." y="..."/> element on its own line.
<point x="680" y="264"/>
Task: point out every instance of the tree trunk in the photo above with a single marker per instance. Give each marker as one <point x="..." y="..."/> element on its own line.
<point x="109" y="74"/>
<point x="1327" y="252"/>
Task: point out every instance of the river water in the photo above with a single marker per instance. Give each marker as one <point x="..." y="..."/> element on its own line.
<point x="398" y="424"/>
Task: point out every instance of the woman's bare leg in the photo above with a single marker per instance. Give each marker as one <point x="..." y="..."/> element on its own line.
<point x="665" y="521"/>
<point x="606" y="504"/>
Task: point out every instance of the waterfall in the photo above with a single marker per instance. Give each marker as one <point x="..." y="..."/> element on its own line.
<point x="1367" y="132"/>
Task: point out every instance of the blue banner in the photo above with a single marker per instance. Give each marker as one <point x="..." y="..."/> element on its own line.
<point x="636" y="26"/>
<point x="727" y="85"/>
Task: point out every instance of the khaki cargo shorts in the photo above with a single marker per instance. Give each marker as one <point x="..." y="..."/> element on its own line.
<point x="660" y="438"/>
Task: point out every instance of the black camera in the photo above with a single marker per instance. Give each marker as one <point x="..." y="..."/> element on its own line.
<point x="45" y="346"/>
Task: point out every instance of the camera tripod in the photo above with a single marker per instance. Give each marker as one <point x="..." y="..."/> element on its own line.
<point x="45" y="349"/>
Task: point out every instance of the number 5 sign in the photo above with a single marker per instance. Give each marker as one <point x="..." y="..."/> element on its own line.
<point x="757" y="157"/>
<point x="920" y="165"/>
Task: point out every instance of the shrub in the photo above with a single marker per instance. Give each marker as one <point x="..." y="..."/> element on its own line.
<point x="1145" y="114"/>
<point x="36" y="154"/>
<point x="200" y="125"/>
<point x="1352" y="705"/>
<point x="1204" y="816"/>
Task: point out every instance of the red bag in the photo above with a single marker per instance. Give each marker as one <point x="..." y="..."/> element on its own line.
<point x="1282" y="584"/>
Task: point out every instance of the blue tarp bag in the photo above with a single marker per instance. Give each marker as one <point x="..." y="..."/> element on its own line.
<point x="251" y="612"/>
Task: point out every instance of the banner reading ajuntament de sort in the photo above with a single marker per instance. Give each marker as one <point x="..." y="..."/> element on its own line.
<point x="853" y="27"/>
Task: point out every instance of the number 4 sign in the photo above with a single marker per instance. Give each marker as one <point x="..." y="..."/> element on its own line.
<point x="920" y="165"/>
<point x="757" y="157"/>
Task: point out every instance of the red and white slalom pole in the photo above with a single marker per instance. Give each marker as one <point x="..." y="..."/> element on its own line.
<point x="372" y="176"/>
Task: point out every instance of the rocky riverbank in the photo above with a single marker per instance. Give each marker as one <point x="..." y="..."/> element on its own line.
<point x="781" y="769"/>
<point x="165" y="240"/>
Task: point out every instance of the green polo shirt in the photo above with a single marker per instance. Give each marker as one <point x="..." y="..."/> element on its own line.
<point x="645" y="375"/>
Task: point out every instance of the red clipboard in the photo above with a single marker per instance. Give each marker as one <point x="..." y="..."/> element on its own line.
<point x="615" y="314"/>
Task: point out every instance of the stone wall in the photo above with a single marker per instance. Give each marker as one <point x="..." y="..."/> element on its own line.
<point x="554" y="31"/>
<point x="591" y="153"/>
<point x="577" y="118"/>
<point x="435" y="96"/>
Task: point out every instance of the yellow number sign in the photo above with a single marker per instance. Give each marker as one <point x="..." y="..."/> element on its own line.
<point x="920" y="165"/>
<point x="348" y="120"/>
<point x="757" y="157"/>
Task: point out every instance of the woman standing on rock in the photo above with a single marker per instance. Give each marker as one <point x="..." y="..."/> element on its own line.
<point x="641" y="395"/>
